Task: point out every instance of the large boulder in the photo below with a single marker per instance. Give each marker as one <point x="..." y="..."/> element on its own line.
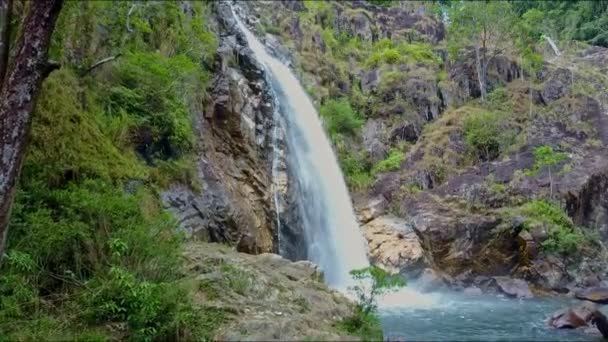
<point x="596" y="294"/>
<point x="393" y="245"/>
<point x="517" y="288"/>
<point x="457" y="240"/>
<point x="557" y="85"/>
<point x="574" y="317"/>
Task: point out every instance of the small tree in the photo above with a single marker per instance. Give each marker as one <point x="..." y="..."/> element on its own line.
<point x="371" y="282"/>
<point x="485" y="25"/>
<point x="545" y="157"/>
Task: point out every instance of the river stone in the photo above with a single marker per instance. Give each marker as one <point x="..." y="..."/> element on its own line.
<point x="572" y="318"/>
<point x="595" y="294"/>
<point x="517" y="288"/>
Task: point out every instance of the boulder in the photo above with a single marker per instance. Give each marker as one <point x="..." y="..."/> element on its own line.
<point x="517" y="288"/>
<point x="574" y="317"/>
<point x="595" y="294"/>
<point x="393" y="245"/>
<point x="557" y="85"/>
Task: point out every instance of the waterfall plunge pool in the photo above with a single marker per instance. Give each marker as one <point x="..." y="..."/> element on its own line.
<point x="461" y="317"/>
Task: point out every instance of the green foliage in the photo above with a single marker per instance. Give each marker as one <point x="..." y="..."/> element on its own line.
<point x="567" y="20"/>
<point x="356" y="170"/>
<point x="563" y="236"/>
<point x="387" y="52"/>
<point x="391" y="163"/>
<point x="149" y="87"/>
<point x="371" y="282"/>
<point x="365" y="326"/>
<point x="340" y="118"/>
<point x="90" y="245"/>
<point x="487" y="134"/>
<point x="385" y="3"/>
<point x="545" y="157"/>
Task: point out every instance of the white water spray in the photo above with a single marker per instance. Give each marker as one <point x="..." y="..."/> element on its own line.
<point x="553" y="45"/>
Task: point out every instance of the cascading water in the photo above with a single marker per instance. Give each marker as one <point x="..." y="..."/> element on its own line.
<point x="331" y="231"/>
<point x="332" y="234"/>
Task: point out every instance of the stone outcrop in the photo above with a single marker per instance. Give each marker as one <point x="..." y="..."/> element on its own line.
<point x="264" y="297"/>
<point x="237" y="150"/>
<point x="393" y="244"/>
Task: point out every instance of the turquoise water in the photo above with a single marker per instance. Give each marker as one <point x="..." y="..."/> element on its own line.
<point x="458" y="317"/>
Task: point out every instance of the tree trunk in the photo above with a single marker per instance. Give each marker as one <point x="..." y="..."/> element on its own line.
<point x="480" y="73"/>
<point x="6" y="9"/>
<point x="18" y="98"/>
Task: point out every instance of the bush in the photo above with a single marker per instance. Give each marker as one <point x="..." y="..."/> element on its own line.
<point x="371" y="282"/>
<point x="563" y="236"/>
<point x="487" y="134"/>
<point x="356" y="170"/>
<point x="391" y="163"/>
<point x="340" y="118"/>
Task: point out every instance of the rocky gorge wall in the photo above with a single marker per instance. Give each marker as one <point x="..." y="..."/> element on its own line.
<point x="442" y="212"/>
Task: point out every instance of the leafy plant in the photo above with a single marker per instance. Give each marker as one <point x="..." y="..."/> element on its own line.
<point x="392" y="162"/>
<point x="487" y="134"/>
<point x="372" y="282"/>
<point x="564" y="237"/>
<point x="546" y="157"/>
<point x="340" y="118"/>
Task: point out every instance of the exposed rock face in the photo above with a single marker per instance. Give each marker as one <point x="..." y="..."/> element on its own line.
<point x="394" y="245"/>
<point x="456" y="241"/>
<point x="265" y="297"/>
<point x="237" y="150"/>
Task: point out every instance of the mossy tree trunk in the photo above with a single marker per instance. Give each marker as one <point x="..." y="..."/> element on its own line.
<point x="20" y="88"/>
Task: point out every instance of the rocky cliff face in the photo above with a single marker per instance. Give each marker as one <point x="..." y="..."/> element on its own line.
<point x="469" y="217"/>
<point x="239" y="148"/>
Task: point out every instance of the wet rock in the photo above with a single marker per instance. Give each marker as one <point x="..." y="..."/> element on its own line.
<point x="393" y="244"/>
<point x="596" y="294"/>
<point x="517" y="288"/>
<point x="572" y="318"/>
<point x="294" y="5"/>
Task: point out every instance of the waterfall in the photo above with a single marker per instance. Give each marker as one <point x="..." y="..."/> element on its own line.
<point x="333" y="239"/>
<point x="552" y="44"/>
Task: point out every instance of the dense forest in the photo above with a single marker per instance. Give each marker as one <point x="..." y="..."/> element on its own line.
<point x="139" y="154"/>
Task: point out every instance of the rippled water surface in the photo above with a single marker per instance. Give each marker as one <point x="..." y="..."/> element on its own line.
<point x="458" y="317"/>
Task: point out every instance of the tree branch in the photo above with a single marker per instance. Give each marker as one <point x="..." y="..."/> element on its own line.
<point x="101" y="62"/>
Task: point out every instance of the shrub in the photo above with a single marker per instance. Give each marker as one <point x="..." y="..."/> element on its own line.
<point x="563" y="236"/>
<point x="356" y="170"/>
<point x="487" y="134"/>
<point x="371" y="282"/>
<point x="340" y="118"/>
<point x="391" y="163"/>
